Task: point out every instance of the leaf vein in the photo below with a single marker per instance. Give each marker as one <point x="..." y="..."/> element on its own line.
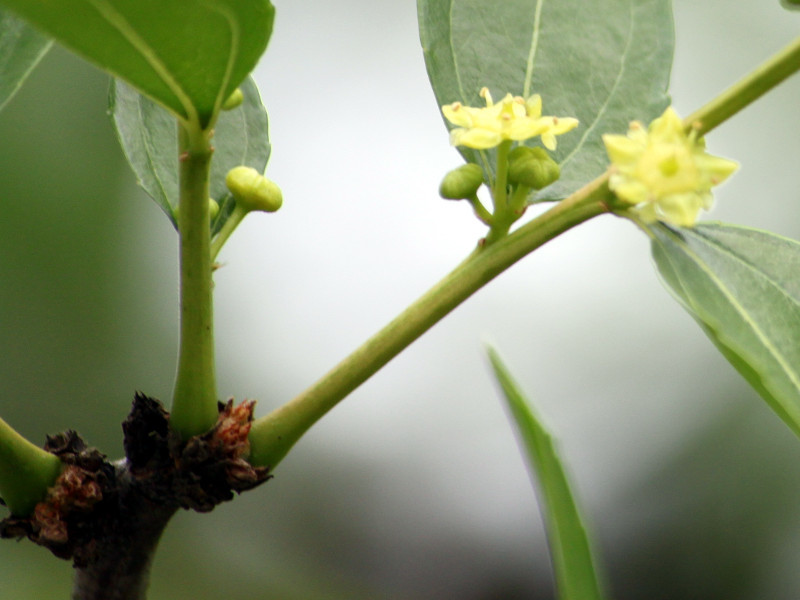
<point x="612" y="92"/>
<point x="116" y="20"/>
<point x="537" y="22"/>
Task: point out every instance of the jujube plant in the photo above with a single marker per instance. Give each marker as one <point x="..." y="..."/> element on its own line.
<point x="563" y="118"/>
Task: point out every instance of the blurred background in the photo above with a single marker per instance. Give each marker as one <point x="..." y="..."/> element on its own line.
<point x="413" y="488"/>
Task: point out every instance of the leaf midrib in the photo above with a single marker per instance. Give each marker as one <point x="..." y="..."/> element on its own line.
<point x="614" y="88"/>
<point x="117" y="21"/>
<point x="537" y="23"/>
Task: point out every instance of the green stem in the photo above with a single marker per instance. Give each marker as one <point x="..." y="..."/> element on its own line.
<point x="237" y="216"/>
<point x="519" y="199"/>
<point x="499" y="192"/>
<point x="501" y="218"/>
<point x="480" y="210"/>
<point x="769" y="74"/>
<point x="26" y="471"/>
<point x="194" y="403"/>
<point x="272" y="436"/>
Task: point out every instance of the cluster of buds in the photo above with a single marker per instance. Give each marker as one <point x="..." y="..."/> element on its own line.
<point x="658" y="173"/>
<point x="519" y="171"/>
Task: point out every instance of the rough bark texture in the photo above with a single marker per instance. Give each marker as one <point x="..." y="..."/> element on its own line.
<point x="108" y="517"/>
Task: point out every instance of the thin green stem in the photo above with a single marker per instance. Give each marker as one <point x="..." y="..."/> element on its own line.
<point x="227" y="229"/>
<point x="26" y="471"/>
<point x="501" y="218"/>
<point x="519" y="199"/>
<point x="499" y="191"/>
<point x="194" y="403"/>
<point x="769" y="74"/>
<point x="272" y="436"/>
<point x="480" y="210"/>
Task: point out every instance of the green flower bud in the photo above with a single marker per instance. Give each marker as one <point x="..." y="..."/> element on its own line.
<point x="252" y="190"/>
<point x="532" y="167"/>
<point x="213" y="209"/>
<point x="234" y="100"/>
<point x="461" y="183"/>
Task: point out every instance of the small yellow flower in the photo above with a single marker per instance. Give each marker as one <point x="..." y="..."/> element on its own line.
<point x="662" y="171"/>
<point x="513" y="118"/>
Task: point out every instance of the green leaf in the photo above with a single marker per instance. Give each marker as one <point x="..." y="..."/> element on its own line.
<point x="21" y="49"/>
<point x="605" y="62"/>
<point x="148" y="135"/>
<point x="188" y="55"/>
<point x="570" y="549"/>
<point x="743" y="287"/>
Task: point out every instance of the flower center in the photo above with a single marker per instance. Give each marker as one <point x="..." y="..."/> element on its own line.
<point x="668" y="169"/>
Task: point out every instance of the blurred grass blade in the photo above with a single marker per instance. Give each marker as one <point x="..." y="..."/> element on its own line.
<point x="742" y="286"/>
<point x="188" y="55"/>
<point x="21" y="49"/>
<point x="576" y="574"/>
<point x="605" y="62"/>
<point x="148" y="135"/>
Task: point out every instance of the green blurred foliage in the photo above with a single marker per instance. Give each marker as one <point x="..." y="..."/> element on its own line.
<point x="62" y="311"/>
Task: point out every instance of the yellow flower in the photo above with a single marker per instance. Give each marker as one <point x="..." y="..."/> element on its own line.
<point x="513" y="118"/>
<point x="662" y="171"/>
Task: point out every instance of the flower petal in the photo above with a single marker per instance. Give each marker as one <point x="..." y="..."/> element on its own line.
<point x="512" y="118"/>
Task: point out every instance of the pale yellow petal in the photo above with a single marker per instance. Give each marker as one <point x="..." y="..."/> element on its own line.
<point x="549" y="140"/>
<point x="680" y="209"/>
<point x="523" y="129"/>
<point x="479" y="139"/>
<point x="621" y="149"/>
<point x="629" y="190"/>
<point x="668" y="125"/>
<point x="457" y="114"/>
<point x="717" y="169"/>
<point x="562" y="125"/>
<point x="533" y="106"/>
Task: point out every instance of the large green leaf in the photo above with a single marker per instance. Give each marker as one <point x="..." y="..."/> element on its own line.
<point x="743" y="287"/>
<point x="606" y="62"/>
<point x="21" y="49"/>
<point x="148" y="135"/>
<point x="189" y="55"/>
<point x="576" y="574"/>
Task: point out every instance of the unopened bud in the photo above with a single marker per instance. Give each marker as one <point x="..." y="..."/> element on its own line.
<point x="234" y="100"/>
<point x="532" y="167"/>
<point x="213" y="209"/>
<point x="461" y="183"/>
<point x="252" y="190"/>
